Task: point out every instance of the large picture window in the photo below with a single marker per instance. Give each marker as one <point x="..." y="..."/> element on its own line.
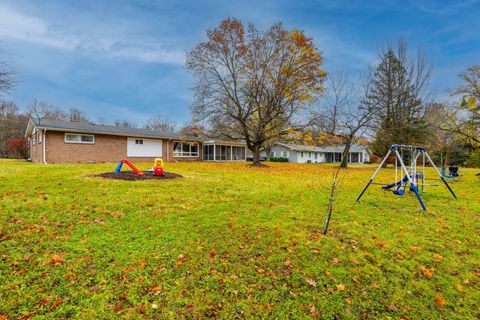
<point x="185" y="149"/>
<point x="79" y="138"/>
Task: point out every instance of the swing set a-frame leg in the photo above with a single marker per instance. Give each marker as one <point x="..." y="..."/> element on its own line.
<point x="374" y="174"/>
<point x="441" y="176"/>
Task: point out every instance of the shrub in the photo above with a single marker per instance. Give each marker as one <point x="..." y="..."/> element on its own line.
<point x="279" y="159"/>
<point x="474" y="159"/>
<point x="375" y="159"/>
<point x="18" y="148"/>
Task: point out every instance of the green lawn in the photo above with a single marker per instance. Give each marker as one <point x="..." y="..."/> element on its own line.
<point x="228" y="241"/>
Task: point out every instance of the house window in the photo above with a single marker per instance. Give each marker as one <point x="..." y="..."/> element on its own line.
<point x="354" y="157"/>
<point x="285" y="154"/>
<point x="79" y="138"/>
<point x="316" y="156"/>
<point x="272" y="154"/>
<point x="40" y="137"/>
<point x="138" y="141"/>
<point x="301" y="154"/>
<point x="185" y="149"/>
<point x="309" y="154"/>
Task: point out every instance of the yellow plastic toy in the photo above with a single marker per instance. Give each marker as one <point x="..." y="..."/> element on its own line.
<point x="158" y="168"/>
<point x="157" y="160"/>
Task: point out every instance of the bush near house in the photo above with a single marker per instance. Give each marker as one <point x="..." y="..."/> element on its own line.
<point x="279" y="159"/>
<point x="228" y="241"/>
<point x="18" y="148"/>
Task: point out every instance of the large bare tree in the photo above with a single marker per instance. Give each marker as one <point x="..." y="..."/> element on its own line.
<point x="253" y="85"/>
<point x="346" y="113"/>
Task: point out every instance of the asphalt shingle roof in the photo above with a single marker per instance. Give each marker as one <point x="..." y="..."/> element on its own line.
<point x="338" y="148"/>
<point x="82" y="127"/>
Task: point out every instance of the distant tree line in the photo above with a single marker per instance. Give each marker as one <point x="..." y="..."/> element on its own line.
<point x="269" y="86"/>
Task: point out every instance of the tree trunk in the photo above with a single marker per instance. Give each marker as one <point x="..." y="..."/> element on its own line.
<point x="256" y="155"/>
<point x="348" y="143"/>
<point x="268" y="150"/>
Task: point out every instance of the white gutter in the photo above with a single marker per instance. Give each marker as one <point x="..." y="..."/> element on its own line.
<point x="44" y="141"/>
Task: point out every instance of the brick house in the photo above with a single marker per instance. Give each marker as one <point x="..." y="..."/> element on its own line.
<point x="55" y="141"/>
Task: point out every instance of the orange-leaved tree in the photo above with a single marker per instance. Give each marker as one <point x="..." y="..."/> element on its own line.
<point x="254" y="85"/>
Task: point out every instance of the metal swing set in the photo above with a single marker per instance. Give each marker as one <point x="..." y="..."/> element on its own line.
<point x="412" y="176"/>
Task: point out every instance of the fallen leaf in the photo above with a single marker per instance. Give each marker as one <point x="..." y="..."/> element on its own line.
<point x="392" y="307"/>
<point x="181" y="260"/>
<point x="312" y="282"/>
<point x="56" y="304"/>
<point x="427" y="272"/>
<point x="154" y="288"/>
<point x="439" y="301"/>
<point x="414" y="249"/>
<point x="341" y="287"/>
<point x="437" y="258"/>
<point x="313" y="312"/>
<point x="57" y="259"/>
<point x="466" y="281"/>
<point x="288" y="264"/>
<point x="212" y="253"/>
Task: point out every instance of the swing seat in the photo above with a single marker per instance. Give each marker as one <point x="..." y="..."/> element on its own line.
<point x="399" y="192"/>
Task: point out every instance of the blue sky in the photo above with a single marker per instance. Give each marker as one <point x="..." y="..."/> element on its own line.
<point x="119" y="59"/>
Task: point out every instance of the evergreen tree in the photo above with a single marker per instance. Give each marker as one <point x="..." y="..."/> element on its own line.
<point x="396" y="89"/>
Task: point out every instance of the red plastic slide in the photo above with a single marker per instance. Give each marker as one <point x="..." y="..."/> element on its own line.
<point x="128" y="163"/>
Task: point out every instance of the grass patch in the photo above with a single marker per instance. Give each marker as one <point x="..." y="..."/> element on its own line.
<point x="229" y="241"/>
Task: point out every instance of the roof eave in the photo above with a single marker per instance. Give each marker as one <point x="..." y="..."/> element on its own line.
<point x="29" y="129"/>
<point x="114" y="133"/>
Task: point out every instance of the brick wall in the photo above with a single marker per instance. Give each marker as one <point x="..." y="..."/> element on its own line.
<point x="107" y="148"/>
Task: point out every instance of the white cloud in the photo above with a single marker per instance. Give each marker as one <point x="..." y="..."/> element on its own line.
<point x="17" y="26"/>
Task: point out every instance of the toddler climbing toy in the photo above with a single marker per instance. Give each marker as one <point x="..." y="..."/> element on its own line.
<point x="410" y="177"/>
<point x="158" y="167"/>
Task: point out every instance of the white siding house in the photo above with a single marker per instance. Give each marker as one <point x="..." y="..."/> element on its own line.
<point x="318" y="154"/>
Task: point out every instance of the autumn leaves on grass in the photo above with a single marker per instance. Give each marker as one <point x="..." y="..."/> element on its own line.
<point x="428" y="273"/>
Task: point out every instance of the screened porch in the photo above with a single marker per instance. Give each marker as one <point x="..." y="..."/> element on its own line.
<point x="223" y="151"/>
